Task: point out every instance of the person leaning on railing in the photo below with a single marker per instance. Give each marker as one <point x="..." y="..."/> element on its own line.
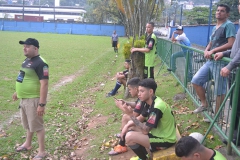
<point x="222" y="38"/>
<point x="183" y="40"/>
<point x="234" y="53"/>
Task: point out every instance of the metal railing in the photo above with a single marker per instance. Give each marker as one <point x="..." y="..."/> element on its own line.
<point x="222" y="109"/>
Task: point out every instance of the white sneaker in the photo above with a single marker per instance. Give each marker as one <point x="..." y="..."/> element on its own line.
<point x="200" y="109"/>
<point x="116" y="55"/>
<point x="206" y="120"/>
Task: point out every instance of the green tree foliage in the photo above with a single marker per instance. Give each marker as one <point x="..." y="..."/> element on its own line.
<point x="198" y="15"/>
<point x="102" y="11"/>
<point x="137" y="44"/>
<point x="233" y="4"/>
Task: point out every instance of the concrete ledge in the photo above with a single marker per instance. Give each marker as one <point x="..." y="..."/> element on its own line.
<point x="169" y="153"/>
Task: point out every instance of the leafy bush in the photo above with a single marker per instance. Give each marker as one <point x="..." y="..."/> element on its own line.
<point x="140" y="43"/>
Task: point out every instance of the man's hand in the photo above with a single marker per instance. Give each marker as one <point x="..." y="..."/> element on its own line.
<point x="133" y="49"/>
<point x="119" y="103"/>
<point x="127" y="109"/>
<point x="40" y="111"/>
<point x="207" y="54"/>
<point x="224" y="72"/>
<point x="218" y="56"/>
<point x="14" y="96"/>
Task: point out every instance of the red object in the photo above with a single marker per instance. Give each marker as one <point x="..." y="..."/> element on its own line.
<point x="29" y="18"/>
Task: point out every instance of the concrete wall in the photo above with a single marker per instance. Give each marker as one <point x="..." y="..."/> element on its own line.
<point x="198" y="34"/>
<point x="63" y="28"/>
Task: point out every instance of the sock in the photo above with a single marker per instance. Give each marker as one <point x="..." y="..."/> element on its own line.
<point x="122" y="142"/>
<point x="140" y="151"/>
<point x="117" y="86"/>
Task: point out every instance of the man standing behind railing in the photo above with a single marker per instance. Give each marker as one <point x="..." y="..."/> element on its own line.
<point x="234" y="53"/>
<point x="222" y="38"/>
<point x="182" y="39"/>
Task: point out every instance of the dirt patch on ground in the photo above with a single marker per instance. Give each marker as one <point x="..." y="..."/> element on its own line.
<point x="96" y="122"/>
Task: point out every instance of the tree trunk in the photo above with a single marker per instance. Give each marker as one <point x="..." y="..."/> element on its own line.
<point x="136" y="69"/>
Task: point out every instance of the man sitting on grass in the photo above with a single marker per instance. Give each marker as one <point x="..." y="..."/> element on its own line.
<point x="121" y="78"/>
<point x="138" y="107"/>
<point x="189" y="148"/>
<point x="159" y="131"/>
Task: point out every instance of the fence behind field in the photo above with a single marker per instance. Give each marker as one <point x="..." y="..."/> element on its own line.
<point x="63" y="28"/>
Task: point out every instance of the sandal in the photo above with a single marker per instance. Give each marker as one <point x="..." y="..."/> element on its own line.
<point x="117" y="150"/>
<point x="37" y="157"/>
<point x="22" y="149"/>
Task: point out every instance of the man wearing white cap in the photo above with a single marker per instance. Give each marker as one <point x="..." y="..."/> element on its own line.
<point x="183" y="40"/>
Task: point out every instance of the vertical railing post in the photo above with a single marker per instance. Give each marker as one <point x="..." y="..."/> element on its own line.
<point x="234" y="111"/>
<point x="186" y="70"/>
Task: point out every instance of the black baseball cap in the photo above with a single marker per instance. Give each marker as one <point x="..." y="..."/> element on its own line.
<point x="30" y="41"/>
<point x="128" y="60"/>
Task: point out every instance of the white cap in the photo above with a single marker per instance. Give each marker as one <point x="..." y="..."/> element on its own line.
<point x="179" y="28"/>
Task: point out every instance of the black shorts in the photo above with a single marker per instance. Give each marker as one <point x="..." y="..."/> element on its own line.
<point x="114" y="44"/>
<point x="148" y="72"/>
<point x="156" y="146"/>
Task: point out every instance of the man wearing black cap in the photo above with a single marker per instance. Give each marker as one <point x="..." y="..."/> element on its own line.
<point x="31" y="89"/>
<point x="183" y="40"/>
<point x="121" y="78"/>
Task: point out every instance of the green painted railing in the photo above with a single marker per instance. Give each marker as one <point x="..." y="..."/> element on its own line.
<point x="224" y="119"/>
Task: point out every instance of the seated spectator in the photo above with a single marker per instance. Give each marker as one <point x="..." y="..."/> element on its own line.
<point x="121" y="78"/>
<point x="159" y="131"/>
<point x="138" y="107"/>
<point x="189" y="148"/>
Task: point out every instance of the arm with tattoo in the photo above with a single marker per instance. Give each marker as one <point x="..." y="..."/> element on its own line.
<point x="145" y="129"/>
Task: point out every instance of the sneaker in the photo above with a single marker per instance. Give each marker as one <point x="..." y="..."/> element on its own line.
<point x="169" y="69"/>
<point x="111" y="94"/>
<point x="135" y="158"/>
<point x="116" y="55"/>
<point x="117" y="150"/>
<point x="200" y="109"/>
<point x="206" y="120"/>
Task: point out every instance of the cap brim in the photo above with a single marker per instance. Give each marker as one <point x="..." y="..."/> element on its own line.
<point x="21" y="42"/>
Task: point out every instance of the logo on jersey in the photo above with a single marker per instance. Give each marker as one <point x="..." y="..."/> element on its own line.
<point x="150" y="44"/>
<point x="138" y="105"/>
<point x="152" y="118"/>
<point x="45" y="71"/>
<point x="20" y="76"/>
<point x="29" y="64"/>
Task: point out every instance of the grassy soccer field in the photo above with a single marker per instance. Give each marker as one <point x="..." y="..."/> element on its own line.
<point x="81" y="71"/>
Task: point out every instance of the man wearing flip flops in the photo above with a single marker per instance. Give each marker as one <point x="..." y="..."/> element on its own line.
<point x="32" y="89"/>
<point x="159" y="131"/>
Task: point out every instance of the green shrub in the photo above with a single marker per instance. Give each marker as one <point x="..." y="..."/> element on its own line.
<point x="140" y="43"/>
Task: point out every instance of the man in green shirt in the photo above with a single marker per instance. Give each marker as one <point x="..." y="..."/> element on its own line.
<point x="149" y="51"/>
<point x="32" y="89"/>
<point x="188" y="148"/>
<point x="159" y="131"/>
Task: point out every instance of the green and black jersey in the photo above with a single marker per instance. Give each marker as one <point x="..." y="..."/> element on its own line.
<point x="217" y="156"/>
<point x="28" y="81"/>
<point x="161" y="119"/>
<point x="150" y="44"/>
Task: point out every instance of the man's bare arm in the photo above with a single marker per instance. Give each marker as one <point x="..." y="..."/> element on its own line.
<point x="145" y="129"/>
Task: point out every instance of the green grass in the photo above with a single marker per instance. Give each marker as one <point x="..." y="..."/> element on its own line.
<point x="71" y="106"/>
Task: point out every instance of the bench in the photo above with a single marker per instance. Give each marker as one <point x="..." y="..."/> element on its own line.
<point x="169" y="153"/>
